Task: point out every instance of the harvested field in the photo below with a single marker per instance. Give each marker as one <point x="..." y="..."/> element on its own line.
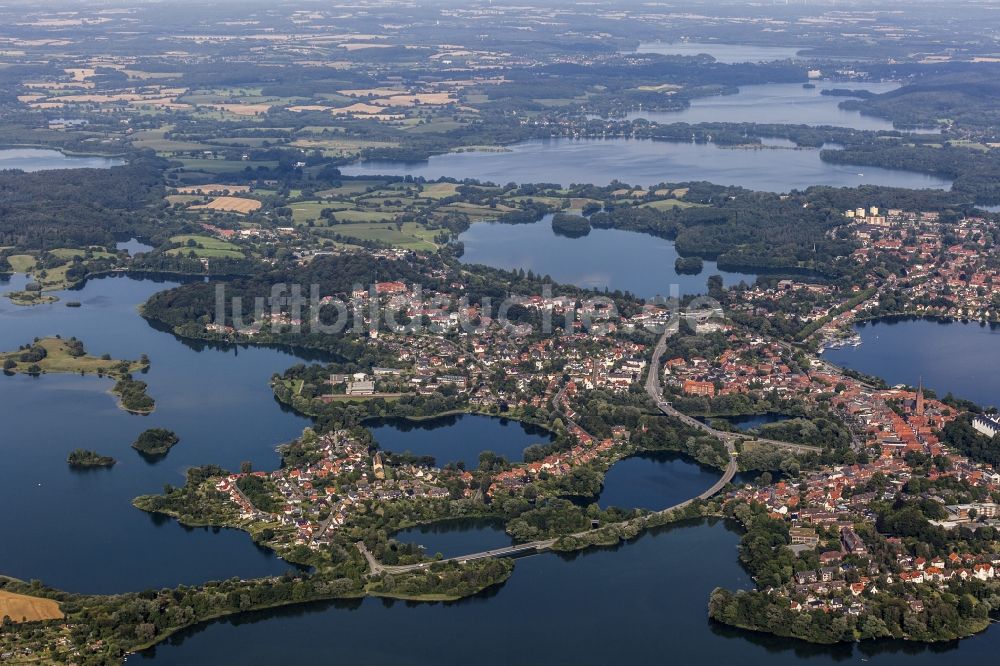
<point x="232" y="205"/>
<point x="22" y="608"/>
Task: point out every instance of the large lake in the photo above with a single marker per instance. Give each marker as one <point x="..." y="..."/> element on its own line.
<point x="78" y="530"/>
<point x="642" y="603"/>
<point x="724" y="53"/>
<point x="777" y="103"/>
<point x="646" y="162"/>
<point x="956" y="357"/>
<point x="612" y="258"/>
<point x="39" y="159"/>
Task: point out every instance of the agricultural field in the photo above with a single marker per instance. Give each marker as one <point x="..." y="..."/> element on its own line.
<point x="231" y="205"/>
<point x="155" y="140"/>
<point x="213" y="166"/>
<point x="206" y="246"/>
<point x="22" y="608"/>
<point x="21" y="263"/>
<point x="666" y="204"/>
<point x="410" y="236"/>
<point x="70" y="253"/>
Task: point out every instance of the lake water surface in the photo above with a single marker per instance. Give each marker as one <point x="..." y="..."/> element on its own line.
<point x="604" y="258"/>
<point x="457" y="537"/>
<point x="956" y="357"/>
<point x="77" y="530"/>
<point x="724" y="53"/>
<point x="641" y="603"/>
<point x="646" y="162"/>
<point x="39" y="159"/>
<point x="655" y="481"/>
<point x="458" y="438"/>
<point x="778" y="103"/>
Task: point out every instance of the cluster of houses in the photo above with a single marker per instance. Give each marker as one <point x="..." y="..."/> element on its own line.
<point x="951" y="267"/>
<point x="837" y="499"/>
<point x="750" y="363"/>
<point x="586" y="450"/>
<point x="322" y="496"/>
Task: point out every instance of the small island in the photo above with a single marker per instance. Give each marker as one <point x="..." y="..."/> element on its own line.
<point x="31" y="297"/>
<point x="572" y="226"/>
<point x="155" y="442"/>
<point x="688" y="265"/>
<point x="81" y="458"/>
<point x="132" y="396"/>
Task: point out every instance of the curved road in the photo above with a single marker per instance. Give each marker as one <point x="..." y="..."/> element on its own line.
<point x="655" y="392"/>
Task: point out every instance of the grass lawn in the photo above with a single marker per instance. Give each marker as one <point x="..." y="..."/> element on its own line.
<point x="222" y="166"/>
<point x="350" y="188"/>
<point x="155" y="140"/>
<point x="412" y="236"/>
<point x="665" y="204"/>
<point x="70" y="252"/>
<point x="206" y="246"/>
<point x="388" y="397"/>
<point x="439" y="190"/>
<point x="355" y="215"/>
<point x="21" y="263"/>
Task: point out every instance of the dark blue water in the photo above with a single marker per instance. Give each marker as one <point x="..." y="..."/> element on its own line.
<point x="645" y="162"/>
<point x="456" y="537"/>
<point x="458" y="438"/>
<point x="747" y="422"/>
<point x="654" y="481"/>
<point x="38" y="159"/>
<point x="642" y="603"/>
<point x="624" y="260"/>
<point x="956" y="357"/>
<point x="78" y="531"/>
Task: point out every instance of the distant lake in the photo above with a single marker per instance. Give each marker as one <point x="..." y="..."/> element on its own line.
<point x="625" y="260"/>
<point x="778" y="103"/>
<point x="956" y="357"/>
<point x="457" y="438"/>
<point x="645" y="162"/>
<point x="655" y="481"/>
<point x="38" y="159"/>
<point x="724" y="53"/>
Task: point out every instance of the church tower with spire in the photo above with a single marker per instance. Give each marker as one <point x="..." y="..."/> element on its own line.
<point x="920" y="398"/>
